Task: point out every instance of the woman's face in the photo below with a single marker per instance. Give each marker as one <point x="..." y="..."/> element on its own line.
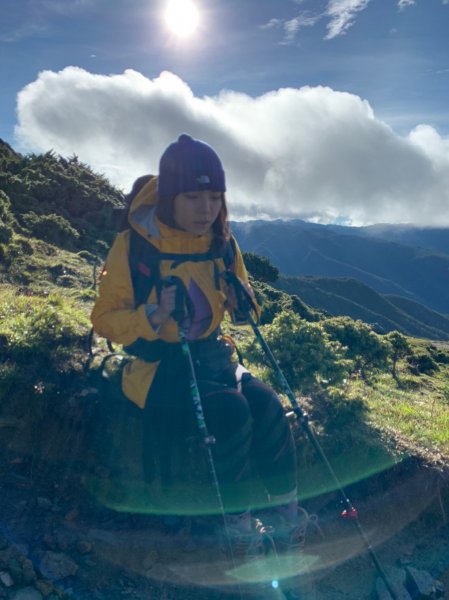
<point x="196" y="212"/>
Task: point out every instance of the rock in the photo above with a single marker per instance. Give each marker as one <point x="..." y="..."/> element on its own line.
<point x="27" y="593"/>
<point x="56" y="565"/>
<point x="420" y="583"/>
<point x="71" y="515"/>
<point x="84" y="546"/>
<point x="28" y="572"/>
<point x="396" y="579"/>
<point x="439" y="589"/>
<point x="6" y="579"/>
<point x="65" y="538"/>
<point x="15" y="570"/>
<point x="45" y="587"/>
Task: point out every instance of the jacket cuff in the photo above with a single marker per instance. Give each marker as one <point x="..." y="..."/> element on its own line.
<point x="149" y="310"/>
<point x="146" y="330"/>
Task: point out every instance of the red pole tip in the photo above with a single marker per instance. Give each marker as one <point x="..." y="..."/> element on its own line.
<point x="350" y="514"/>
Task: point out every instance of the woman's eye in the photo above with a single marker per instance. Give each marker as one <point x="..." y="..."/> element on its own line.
<point x="216" y="198"/>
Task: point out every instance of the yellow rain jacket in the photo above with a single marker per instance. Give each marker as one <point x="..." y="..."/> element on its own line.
<point x="114" y="315"/>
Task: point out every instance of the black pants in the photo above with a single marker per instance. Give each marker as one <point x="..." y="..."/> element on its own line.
<point x="251" y="430"/>
<point x="252" y="434"/>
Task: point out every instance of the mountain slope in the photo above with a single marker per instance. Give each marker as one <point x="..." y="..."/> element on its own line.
<point x="431" y="238"/>
<point x="299" y="248"/>
<point x="350" y="297"/>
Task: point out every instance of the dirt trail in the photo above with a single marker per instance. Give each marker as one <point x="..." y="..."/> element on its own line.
<point x="57" y="541"/>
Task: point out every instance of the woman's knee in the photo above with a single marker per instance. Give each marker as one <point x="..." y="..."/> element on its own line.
<point x="226" y="410"/>
<point x="261" y="398"/>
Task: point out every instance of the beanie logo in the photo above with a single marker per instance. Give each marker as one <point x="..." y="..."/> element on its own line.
<point x="203" y="179"/>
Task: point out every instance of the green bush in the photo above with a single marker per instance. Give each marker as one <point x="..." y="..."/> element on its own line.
<point x="422" y="363"/>
<point x="304" y="351"/>
<point x="6" y="219"/>
<point x="52" y="228"/>
<point x="260" y="267"/>
<point x="10" y="377"/>
<point x="273" y="302"/>
<point x="43" y="187"/>
<point x="18" y="247"/>
<point x="438" y="355"/>
<point x="5" y="207"/>
<point x="369" y="350"/>
<point x="337" y="412"/>
<point x="6" y="233"/>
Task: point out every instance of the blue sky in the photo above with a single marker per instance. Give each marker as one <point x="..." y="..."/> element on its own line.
<point x="332" y="110"/>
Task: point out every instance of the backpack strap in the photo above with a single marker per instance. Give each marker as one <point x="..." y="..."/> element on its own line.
<point x="230" y="252"/>
<point x="144" y="260"/>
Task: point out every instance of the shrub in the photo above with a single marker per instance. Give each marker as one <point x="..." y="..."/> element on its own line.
<point x="422" y="363"/>
<point x="273" y="302"/>
<point x="304" y="352"/>
<point x="17" y="248"/>
<point x="6" y="219"/>
<point x="260" y="267"/>
<point x="367" y="349"/>
<point x="52" y="228"/>
<point x="6" y="233"/>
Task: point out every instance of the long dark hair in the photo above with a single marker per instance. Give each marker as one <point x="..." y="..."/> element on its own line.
<point x="220" y="228"/>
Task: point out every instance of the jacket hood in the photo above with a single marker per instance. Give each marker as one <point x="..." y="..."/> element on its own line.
<point x="146" y="196"/>
<point x="142" y="218"/>
<point x="143" y="204"/>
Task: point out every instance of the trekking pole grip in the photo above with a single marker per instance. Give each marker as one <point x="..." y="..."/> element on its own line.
<point x="245" y="302"/>
<point x="181" y="298"/>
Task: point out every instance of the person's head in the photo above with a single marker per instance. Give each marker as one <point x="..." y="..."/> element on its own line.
<point x="191" y="187"/>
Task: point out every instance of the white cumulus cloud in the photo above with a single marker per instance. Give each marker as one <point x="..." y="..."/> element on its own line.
<point x="310" y="152"/>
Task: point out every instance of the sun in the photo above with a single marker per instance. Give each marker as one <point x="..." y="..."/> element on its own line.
<point x="182" y="17"/>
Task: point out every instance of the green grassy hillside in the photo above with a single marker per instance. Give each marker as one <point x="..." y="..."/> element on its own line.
<point x="379" y="396"/>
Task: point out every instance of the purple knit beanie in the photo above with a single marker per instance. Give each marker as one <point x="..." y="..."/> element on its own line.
<point x="189" y="165"/>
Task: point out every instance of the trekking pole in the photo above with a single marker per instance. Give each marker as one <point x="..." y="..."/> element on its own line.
<point x="246" y="305"/>
<point x="208" y="440"/>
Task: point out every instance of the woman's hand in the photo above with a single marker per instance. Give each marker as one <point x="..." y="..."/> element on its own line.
<point x="167" y="304"/>
<point x="231" y="296"/>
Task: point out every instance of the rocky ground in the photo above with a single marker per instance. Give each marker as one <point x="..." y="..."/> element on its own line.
<point x="58" y="540"/>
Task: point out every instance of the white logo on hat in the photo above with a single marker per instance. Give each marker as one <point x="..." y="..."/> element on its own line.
<point x="203" y="179"/>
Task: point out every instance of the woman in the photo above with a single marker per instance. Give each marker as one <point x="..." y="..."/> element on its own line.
<point x="183" y="214"/>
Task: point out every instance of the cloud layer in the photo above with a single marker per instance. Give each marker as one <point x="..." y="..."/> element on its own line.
<point x="312" y="153"/>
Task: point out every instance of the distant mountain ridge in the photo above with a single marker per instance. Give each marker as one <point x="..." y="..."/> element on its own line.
<point x="345" y="296"/>
<point x="431" y="238"/>
<point x="372" y="255"/>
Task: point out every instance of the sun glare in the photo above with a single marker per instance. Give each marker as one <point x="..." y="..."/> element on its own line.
<point x="182" y="17"/>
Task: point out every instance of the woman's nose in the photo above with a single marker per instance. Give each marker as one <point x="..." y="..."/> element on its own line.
<point x="205" y="203"/>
